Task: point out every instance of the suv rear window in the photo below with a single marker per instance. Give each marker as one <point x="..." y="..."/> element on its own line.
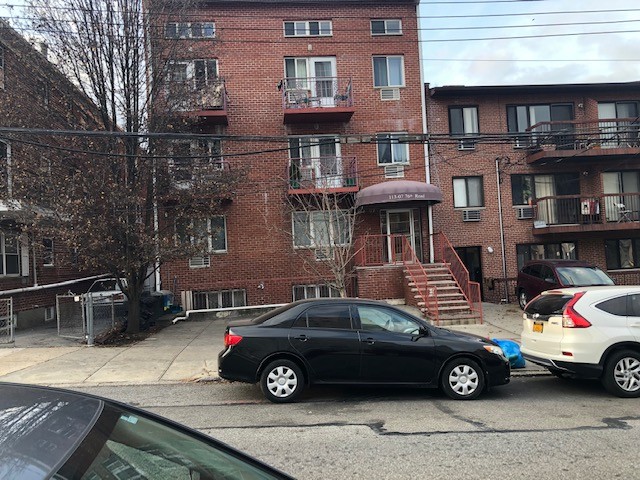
<point x="547" y="305"/>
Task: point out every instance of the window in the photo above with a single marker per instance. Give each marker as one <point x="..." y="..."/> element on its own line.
<point x="42" y="91"/>
<point x="220" y="299"/>
<point x="320" y="229"/>
<point x="390" y="150"/>
<point x="622" y="253"/>
<point x="210" y="233"/>
<point x="615" y="306"/>
<point x="388" y="71"/>
<point x="47" y="252"/>
<point x="521" y="117"/>
<point x="526" y="252"/>
<point x="373" y="319"/>
<point x="301" y="292"/>
<point x="468" y="192"/>
<point x="315" y="162"/>
<point x="10" y="247"/>
<point x="1" y="67"/>
<point x="463" y="121"/>
<point x="325" y="316"/>
<point x="190" y="30"/>
<point x="386" y="27"/>
<point x="626" y="184"/>
<point x="49" y="313"/>
<point x="308" y="29"/>
<point x="528" y="188"/>
<point x="194" y="160"/>
<point x="5" y="168"/>
<point x="193" y="74"/>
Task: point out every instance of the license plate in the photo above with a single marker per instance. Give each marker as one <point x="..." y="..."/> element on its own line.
<point x="538" y="327"/>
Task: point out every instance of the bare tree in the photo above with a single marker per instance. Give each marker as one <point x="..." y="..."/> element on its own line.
<point x="323" y="231"/>
<point x="115" y="199"/>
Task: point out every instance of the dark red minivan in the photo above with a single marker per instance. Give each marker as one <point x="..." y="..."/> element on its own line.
<point x="539" y="275"/>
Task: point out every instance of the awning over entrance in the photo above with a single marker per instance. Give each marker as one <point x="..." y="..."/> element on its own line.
<point x="395" y="191"/>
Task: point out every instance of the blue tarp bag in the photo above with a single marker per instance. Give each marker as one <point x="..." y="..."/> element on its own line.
<point x="512" y="351"/>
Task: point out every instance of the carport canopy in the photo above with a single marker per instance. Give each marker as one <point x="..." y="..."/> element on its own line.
<point x="395" y="191"/>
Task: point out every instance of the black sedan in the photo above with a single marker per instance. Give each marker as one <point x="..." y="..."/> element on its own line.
<point x="352" y="341"/>
<point x="64" y="435"/>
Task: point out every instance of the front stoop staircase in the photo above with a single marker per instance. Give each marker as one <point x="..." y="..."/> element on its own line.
<point x="435" y="291"/>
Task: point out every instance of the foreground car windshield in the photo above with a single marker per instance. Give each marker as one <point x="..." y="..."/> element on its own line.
<point x="583" y="276"/>
<point x="125" y="444"/>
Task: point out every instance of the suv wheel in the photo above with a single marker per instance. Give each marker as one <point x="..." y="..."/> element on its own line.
<point x="621" y="375"/>
<point x="282" y="381"/>
<point x="523" y="299"/>
<point x="462" y="379"/>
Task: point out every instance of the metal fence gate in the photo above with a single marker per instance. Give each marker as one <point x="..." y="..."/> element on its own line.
<point x="85" y="317"/>
<point x="6" y="321"/>
<point x="71" y="318"/>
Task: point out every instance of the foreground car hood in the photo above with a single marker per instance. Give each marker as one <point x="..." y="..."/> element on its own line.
<point x="467" y="336"/>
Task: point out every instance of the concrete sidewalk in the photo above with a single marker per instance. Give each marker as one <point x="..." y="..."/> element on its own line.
<point x="186" y="351"/>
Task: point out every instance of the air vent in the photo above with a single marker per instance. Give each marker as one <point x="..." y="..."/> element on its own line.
<point x="394" y="171"/>
<point x="389" y="94"/>
<point x="471" y="215"/>
<point x="467" y="144"/>
<point x="523" y="213"/>
<point x="199" y="262"/>
<point x="323" y="253"/>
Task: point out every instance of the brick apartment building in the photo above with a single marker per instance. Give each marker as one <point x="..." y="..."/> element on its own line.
<point x="537" y="171"/>
<point x="334" y="90"/>
<point x="33" y="95"/>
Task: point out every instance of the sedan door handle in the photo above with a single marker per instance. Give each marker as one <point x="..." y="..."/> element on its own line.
<point x="302" y="338"/>
<point x="368" y="341"/>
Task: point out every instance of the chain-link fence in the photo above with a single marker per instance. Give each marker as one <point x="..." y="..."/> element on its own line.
<point x="70" y="314"/>
<point x="6" y="321"/>
<point x="85" y="317"/>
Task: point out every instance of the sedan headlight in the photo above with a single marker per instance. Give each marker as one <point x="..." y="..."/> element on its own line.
<point x="494" y="349"/>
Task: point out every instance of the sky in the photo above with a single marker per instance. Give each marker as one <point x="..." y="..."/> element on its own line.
<point x="581" y="58"/>
<point x="575" y="57"/>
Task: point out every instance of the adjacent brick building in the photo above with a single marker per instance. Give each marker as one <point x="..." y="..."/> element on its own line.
<point x="33" y="95"/>
<point x="532" y="171"/>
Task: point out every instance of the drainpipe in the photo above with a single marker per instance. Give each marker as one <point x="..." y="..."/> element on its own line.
<point x="504" y="255"/>
<point x="427" y="162"/>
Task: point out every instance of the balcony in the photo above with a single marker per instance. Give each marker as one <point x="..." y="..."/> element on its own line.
<point x="322" y="174"/>
<point x="587" y="213"/>
<point x="208" y="103"/>
<point x="317" y="100"/>
<point x="578" y="140"/>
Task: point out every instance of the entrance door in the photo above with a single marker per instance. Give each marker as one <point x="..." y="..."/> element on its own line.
<point x="316" y="75"/>
<point x="401" y="223"/>
<point x="470" y="256"/>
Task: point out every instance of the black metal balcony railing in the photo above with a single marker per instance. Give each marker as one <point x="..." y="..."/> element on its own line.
<point x="578" y="135"/>
<point x="587" y="209"/>
<point x="322" y="173"/>
<point x="186" y="97"/>
<point x="315" y="92"/>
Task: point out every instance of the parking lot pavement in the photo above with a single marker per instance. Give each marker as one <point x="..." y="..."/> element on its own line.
<point x="185" y="351"/>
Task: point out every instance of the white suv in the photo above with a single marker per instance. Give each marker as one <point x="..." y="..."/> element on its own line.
<point x="591" y="332"/>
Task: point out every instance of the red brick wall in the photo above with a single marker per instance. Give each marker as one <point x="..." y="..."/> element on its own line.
<point x="381" y="283"/>
<point x="251" y="48"/>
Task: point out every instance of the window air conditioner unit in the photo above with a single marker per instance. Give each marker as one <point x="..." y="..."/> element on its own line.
<point x="389" y="94"/>
<point x="323" y="254"/>
<point x="200" y="262"/>
<point x="467" y="144"/>
<point x="523" y="213"/>
<point x="471" y="215"/>
<point x="394" y="171"/>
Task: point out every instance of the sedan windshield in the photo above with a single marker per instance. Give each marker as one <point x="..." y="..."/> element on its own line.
<point x="583" y="276"/>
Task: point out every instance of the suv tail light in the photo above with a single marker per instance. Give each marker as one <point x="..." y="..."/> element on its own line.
<point x="231" y="339"/>
<point x="571" y="318"/>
